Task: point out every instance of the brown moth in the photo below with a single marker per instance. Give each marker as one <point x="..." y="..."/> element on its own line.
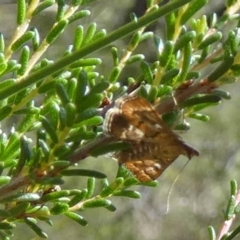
<point x="153" y="145"/>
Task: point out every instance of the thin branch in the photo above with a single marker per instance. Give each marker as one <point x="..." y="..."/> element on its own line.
<point x="228" y="223"/>
<point x="183" y="93"/>
<point x="166" y="106"/>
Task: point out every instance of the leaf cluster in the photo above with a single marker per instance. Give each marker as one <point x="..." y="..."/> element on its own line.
<point x="55" y="107"/>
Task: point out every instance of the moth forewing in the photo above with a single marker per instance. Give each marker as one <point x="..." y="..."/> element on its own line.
<point x="153" y="145"/>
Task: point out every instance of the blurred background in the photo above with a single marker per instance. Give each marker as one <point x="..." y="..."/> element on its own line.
<point x="202" y="189"/>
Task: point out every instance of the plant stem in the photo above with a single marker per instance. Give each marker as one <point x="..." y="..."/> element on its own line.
<point x="92" y="47"/>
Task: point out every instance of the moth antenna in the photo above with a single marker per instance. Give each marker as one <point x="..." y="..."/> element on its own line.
<point x="171" y="187"/>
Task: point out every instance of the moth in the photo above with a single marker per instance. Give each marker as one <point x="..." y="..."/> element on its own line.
<point x="153" y="145"/>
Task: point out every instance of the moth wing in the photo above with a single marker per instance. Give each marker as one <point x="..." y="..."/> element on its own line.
<point x="153" y="146"/>
<point x="147" y="161"/>
<point x="134" y="119"/>
<point x="146" y="170"/>
<point x="118" y="126"/>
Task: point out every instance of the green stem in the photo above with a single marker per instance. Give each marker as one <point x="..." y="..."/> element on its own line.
<point x="90" y="48"/>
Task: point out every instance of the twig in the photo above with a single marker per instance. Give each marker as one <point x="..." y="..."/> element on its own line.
<point x="228" y="223"/>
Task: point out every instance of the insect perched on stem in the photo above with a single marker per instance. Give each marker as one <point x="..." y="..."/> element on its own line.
<point x="153" y="145"/>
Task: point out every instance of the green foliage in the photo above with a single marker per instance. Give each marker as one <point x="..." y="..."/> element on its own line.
<point x="229" y="215"/>
<point x="53" y="109"/>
